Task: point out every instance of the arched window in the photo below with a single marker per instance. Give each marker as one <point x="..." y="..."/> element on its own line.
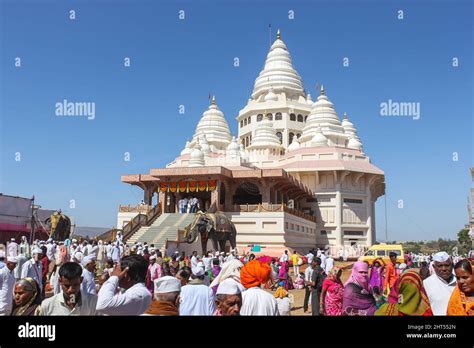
<point x="247" y="142"/>
<point x="305" y="118"/>
<point x="278" y="116"/>
<point x="250" y="143"/>
<point x="241" y="123"/>
<point x="290" y="137"/>
<point x="292" y="117"/>
<point x="270" y="116"/>
<point x="245" y="122"/>
<point x="250" y="120"/>
<point x="259" y="117"/>
<point x="300" y="118"/>
<point x="280" y="136"/>
<point x="298" y="136"/>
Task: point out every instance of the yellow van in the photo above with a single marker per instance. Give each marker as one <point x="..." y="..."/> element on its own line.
<point x="381" y="251"/>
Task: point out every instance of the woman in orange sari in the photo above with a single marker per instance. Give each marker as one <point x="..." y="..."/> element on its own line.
<point x="462" y="298"/>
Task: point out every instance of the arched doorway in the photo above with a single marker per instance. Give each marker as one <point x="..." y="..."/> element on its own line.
<point x="247" y="193"/>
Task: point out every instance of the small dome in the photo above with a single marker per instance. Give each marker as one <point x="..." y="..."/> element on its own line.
<point x="205" y="148"/>
<point x="197" y="157"/>
<point x="354" y="143"/>
<point x="295" y="145"/>
<point x="319" y="139"/>
<point x="187" y="149"/>
<point x="233" y="146"/>
<point x="271" y="96"/>
<point x="309" y="100"/>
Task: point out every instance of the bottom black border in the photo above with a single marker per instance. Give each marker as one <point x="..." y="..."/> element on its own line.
<point x="276" y="331"/>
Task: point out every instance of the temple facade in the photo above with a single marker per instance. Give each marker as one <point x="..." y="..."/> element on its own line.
<point x="294" y="177"/>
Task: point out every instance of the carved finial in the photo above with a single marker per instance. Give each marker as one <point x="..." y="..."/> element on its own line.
<point x="278" y="34"/>
<point x="345" y="115"/>
<point x="213" y="100"/>
<point x="322" y="89"/>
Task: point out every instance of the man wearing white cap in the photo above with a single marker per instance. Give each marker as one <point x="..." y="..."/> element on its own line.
<point x="12" y="249"/>
<point x="197" y="298"/>
<point x="88" y="275"/>
<point x="440" y="285"/>
<point x="115" y="253"/>
<point x="33" y="267"/>
<point x="229" y="298"/>
<point x="7" y="282"/>
<point x="154" y="272"/>
<point x="166" y="297"/>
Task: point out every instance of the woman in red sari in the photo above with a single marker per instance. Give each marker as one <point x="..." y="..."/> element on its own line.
<point x="332" y="293"/>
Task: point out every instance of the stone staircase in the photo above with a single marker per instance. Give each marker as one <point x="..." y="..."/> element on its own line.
<point x="164" y="228"/>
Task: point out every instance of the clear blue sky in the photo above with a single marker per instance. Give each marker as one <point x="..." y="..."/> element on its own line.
<point x="177" y="62"/>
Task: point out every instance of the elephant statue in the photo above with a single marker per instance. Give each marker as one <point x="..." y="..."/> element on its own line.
<point x="216" y="226"/>
<point x="60" y="226"/>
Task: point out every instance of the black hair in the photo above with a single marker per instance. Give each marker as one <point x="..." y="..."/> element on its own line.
<point x="317" y="260"/>
<point x="159" y="254"/>
<point x="215" y="262"/>
<point x="187" y="269"/>
<point x="465" y="264"/>
<point x="44" y="250"/>
<point x="392" y="254"/>
<point x="137" y="267"/>
<point x="183" y="274"/>
<point x="70" y="270"/>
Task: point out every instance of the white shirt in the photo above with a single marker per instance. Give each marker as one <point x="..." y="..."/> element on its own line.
<point x="196" y="299"/>
<point x="439" y="292"/>
<point x="108" y="250"/>
<point x="50" y="251"/>
<point x="194" y="261"/>
<point x="89" y="249"/>
<point x="134" y="301"/>
<point x="34" y="270"/>
<point x="323" y="260"/>
<point x="256" y="301"/>
<point x="7" y="281"/>
<point x="207" y="263"/>
<point x="88" y="284"/>
<point x="284" y="306"/>
<point x="308" y="272"/>
<point x="115" y="254"/>
<point x="56" y="305"/>
<point x="310" y="257"/>
<point x="329" y="265"/>
<point x="284" y="258"/>
<point x="12" y="249"/>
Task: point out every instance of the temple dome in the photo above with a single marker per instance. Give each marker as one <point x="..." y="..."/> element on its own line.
<point x="323" y="116"/>
<point x="271" y="96"/>
<point x="214" y="127"/>
<point x="295" y="145"/>
<point x="187" y="149"/>
<point x="354" y="143"/>
<point x="265" y="136"/>
<point x="197" y="157"/>
<point x="233" y="146"/>
<point x="278" y="73"/>
<point x="319" y="139"/>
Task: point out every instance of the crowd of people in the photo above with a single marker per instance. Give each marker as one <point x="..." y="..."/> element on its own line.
<point x="188" y="205"/>
<point x="80" y="277"/>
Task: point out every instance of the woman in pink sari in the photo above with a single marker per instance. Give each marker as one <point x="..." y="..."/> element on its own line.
<point x="332" y="293"/>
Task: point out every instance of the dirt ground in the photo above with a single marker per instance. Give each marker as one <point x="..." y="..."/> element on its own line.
<point x="298" y="295"/>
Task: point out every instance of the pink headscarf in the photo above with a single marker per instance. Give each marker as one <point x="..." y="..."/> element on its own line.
<point x="282" y="272"/>
<point x="356" y="277"/>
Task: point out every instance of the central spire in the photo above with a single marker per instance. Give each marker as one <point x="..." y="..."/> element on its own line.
<point x="278" y="35"/>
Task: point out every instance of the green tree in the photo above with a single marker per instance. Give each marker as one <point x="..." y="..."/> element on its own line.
<point x="464" y="240"/>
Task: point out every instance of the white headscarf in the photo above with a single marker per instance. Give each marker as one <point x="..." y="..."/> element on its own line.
<point x="230" y="269"/>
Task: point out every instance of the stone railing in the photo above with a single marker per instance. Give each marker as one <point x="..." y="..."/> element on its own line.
<point x="141" y="208"/>
<point x="140" y="220"/>
<point x="268" y="207"/>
